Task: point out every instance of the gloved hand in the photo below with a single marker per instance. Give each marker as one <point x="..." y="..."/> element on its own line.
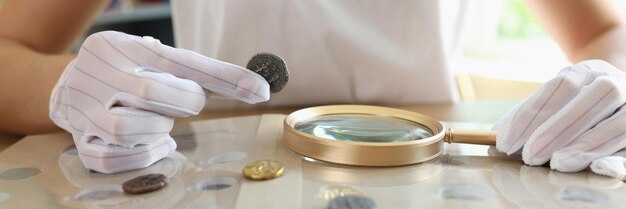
<point x="572" y="120"/>
<point x="119" y="96"/>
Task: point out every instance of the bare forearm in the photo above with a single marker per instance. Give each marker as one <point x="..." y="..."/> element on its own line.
<point x="576" y="24"/>
<point x="26" y="81"/>
<point x="34" y="35"/>
<point x="49" y="27"/>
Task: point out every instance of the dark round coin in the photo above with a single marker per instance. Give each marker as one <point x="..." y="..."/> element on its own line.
<point x="351" y="202"/>
<point x="272" y="68"/>
<point x="144" y="184"/>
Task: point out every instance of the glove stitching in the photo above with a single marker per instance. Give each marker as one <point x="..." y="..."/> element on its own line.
<point x="120" y="90"/>
<point x="126" y="155"/>
<point x="106" y="131"/>
<point x="139" y="65"/>
<point x="597" y="145"/>
<point x="135" y="76"/>
<point x="577" y="119"/>
<point x="246" y="71"/>
<point x="86" y="94"/>
<point x="540" y="108"/>
<point x="135" y="115"/>
<point x="592" y="148"/>
<point x="59" y="102"/>
<point x="202" y="72"/>
<point x="112" y="113"/>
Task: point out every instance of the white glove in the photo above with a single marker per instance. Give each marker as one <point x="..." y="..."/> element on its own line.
<point x="614" y="165"/>
<point x="572" y="120"/>
<point x="119" y="96"/>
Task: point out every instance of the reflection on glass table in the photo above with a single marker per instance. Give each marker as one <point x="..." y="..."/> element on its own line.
<point x="205" y="172"/>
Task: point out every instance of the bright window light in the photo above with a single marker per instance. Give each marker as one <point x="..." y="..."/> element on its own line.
<point x="504" y="40"/>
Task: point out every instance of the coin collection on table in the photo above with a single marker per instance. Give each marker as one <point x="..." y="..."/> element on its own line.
<point x="144" y="184"/>
<point x="272" y="68"/>
<point x="263" y="170"/>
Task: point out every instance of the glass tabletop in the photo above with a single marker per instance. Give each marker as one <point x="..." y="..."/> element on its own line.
<point x="205" y="172"/>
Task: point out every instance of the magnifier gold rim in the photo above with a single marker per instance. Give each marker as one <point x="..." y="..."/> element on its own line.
<point x="363" y="153"/>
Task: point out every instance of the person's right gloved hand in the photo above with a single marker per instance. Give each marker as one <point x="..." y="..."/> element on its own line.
<point x="120" y="95"/>
<point x="574" y="121"/>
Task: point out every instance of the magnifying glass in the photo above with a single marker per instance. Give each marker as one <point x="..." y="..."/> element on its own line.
<point x="371" y="135"/>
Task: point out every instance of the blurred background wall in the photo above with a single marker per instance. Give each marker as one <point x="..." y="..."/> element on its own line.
<point x="139" y="17"/>
<point x="506" y="54"/>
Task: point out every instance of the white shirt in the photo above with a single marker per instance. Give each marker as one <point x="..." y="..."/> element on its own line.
<point x="337" y="51"/>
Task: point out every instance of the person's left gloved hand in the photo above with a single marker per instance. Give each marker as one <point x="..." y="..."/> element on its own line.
<point x="573" y="120"/>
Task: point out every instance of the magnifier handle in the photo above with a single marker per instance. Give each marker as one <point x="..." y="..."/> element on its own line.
<point x="470" y="137"/>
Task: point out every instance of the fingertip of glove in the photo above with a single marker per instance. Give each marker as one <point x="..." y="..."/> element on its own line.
<point x="612" y="166"/>
<point x="503" y="147"/>
<point x="567" y="164"/>
<point x="532" y="159"/>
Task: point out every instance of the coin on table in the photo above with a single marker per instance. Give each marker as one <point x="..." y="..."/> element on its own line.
<point x="272" y="68"/>
<point x="144" y="184"/>
<point x="351" y="202"/>
<point x="263" y="170"/>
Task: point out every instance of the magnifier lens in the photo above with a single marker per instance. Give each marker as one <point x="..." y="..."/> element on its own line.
<point x="363" y="128"/>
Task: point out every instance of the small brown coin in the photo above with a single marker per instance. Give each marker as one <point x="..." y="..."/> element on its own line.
<point x="145" y="184"/>
<point x="263" y="170"/>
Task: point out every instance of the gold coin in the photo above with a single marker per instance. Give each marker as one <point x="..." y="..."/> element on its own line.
<point x="263" y="170"/>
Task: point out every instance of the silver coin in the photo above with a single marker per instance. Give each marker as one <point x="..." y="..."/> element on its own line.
<point x="351" y="202"/>
<point x="19" y="173"/>
<point x="272" y="68"/>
